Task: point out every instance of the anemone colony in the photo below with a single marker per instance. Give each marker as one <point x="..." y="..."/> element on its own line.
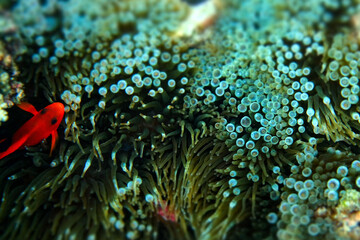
<point x="243" y="122"/>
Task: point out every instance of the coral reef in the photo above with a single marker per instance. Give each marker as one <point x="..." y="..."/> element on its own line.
<point x="10" y="89"/>
<point x="241" y="122"/>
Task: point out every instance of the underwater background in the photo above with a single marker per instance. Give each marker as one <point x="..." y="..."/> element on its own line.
<point x="189" y="120"/>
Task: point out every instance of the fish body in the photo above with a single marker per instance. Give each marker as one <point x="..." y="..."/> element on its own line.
<point x="43" y="124"/>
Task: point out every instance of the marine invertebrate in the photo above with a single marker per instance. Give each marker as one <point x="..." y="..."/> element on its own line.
<point x="10" y="90"/>
<point x="332" y="111"/>
<point x="347" y="215"/>
<point x="316" y="193"/>
<point x="169" y="134"/>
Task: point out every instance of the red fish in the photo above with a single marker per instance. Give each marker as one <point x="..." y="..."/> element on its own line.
<point x="43" y="124"/>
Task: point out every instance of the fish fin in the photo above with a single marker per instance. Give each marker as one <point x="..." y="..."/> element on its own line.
<point x="54" y="139"/>
<point x="13" y="147"/>
<point x="27" y="107"/>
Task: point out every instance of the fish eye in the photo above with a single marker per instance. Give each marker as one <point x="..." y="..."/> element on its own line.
<point x="53" y="121"/>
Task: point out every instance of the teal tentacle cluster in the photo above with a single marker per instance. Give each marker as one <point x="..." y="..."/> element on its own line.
<point x="317" y="196"/>
<point x="240" y="122"/>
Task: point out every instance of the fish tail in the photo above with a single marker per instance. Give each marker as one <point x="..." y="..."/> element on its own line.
<point x="13" y="147"/>
<point x="2" y="155"/>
